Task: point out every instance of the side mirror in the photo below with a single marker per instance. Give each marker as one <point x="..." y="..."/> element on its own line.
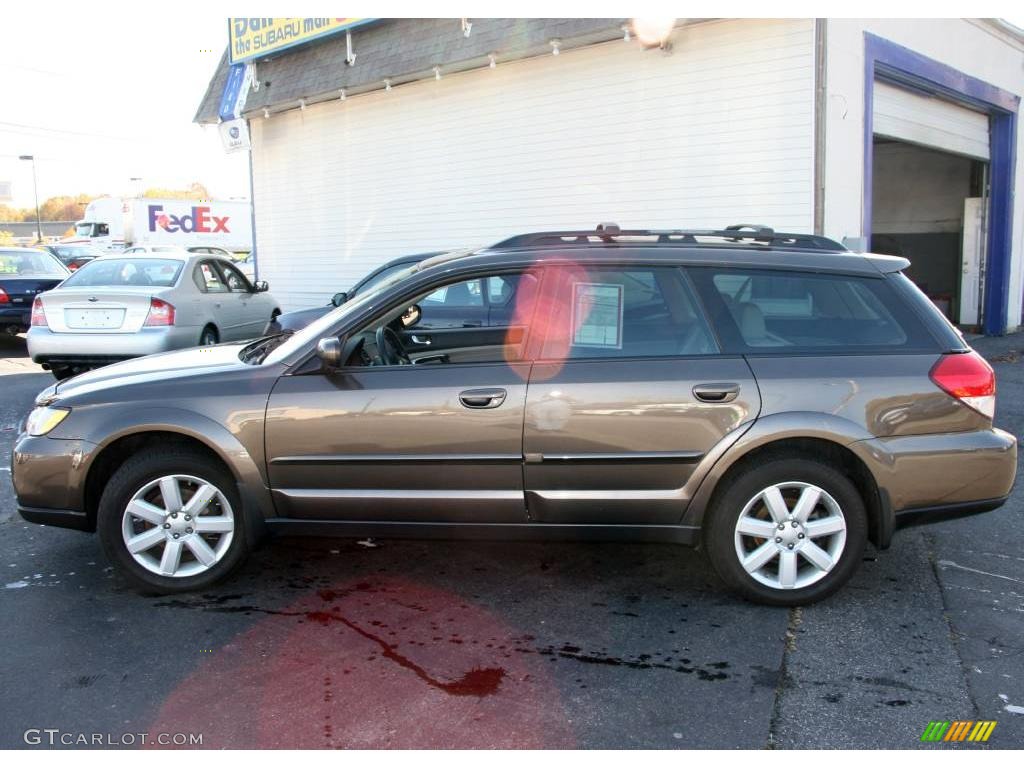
<point x="262" y="286"/>
<point x="411" y="316"/>
<point x="339" y="298"/>
<point x="329" y="351"/>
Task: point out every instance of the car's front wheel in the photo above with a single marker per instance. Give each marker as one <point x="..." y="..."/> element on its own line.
<point x="788" y="532"/>
<point x="172" y="522"/>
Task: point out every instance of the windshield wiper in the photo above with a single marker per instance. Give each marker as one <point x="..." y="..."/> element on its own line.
<point x="254" y="353"/>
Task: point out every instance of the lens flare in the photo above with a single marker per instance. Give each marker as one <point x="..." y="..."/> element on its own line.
<point x="651" y="31"/>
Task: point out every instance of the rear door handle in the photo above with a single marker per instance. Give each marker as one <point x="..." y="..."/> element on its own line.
<point x="482" y="398"/>
<point x="716" y="392"/>
<point x="422" y="340"/>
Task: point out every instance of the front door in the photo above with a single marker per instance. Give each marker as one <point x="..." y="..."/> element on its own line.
<point x="629" y="394"/>
<point x="224" y="307"/>
<point x="384" y="438"/>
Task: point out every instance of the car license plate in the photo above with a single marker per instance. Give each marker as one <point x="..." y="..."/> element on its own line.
<point x="94" y="318"/>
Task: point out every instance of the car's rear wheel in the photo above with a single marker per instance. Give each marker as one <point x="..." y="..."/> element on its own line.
<point x="172" y="522"/>
<point x="788" y="532"/>
<point x="208" y="337"/>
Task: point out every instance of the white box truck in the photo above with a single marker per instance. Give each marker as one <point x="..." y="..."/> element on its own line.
<point x="114" y="223"/>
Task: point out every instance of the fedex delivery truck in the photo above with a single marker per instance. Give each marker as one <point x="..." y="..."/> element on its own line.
<point x="114" y="223"/>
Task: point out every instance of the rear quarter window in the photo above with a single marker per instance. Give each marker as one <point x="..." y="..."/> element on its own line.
<point x="790" y="312"/>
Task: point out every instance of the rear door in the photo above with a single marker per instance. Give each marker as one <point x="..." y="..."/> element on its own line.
<point x="629" y="394"/>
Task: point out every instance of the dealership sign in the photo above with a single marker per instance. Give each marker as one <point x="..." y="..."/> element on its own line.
<point x="252" y="38"/>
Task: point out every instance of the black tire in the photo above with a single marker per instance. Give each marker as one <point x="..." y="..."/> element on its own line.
<point x="61" y="372"/>
<point x="209" y="336"/>
<point x="133" y="475"/>
<point x="723" y="516"/>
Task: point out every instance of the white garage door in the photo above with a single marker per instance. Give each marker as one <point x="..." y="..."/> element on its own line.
<point x="929" y="121"/>
<point x="720" y="131"/>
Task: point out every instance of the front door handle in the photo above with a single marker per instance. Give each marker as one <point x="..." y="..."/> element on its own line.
<point x="716" y="392"/>
<point x="422" y="340"/>
<point x="482" y="398"/>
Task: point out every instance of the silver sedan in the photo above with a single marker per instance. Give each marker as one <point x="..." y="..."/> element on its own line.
<point x="122" y="306"/>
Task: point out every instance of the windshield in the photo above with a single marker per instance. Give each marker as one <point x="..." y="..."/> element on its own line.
<point x="30" y="264"/>
<point x="320" y="326"/>
<point x="385" y="274"/>
<point x="84" y="229"/>
<point x="74" y="251"/>
<point x="160" y="273"/>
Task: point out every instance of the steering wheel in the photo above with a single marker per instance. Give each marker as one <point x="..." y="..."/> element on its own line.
<point x="389" y="347"/>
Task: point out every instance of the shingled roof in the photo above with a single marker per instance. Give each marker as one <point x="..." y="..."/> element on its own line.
<point x="401" y="50"/>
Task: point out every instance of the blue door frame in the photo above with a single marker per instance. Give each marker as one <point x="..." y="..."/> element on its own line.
<point x="892" y="63"/>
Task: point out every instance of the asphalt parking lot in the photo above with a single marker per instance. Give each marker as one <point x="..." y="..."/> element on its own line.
<point x="333" y="643"/>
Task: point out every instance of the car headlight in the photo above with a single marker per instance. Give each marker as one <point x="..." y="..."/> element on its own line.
<point x="43" y="420"/>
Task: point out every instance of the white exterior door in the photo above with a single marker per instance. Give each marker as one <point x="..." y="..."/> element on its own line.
<point x="717" y="132"/>
<point x="972" y="259"/>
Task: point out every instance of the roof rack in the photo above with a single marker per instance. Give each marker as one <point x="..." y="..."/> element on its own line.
<point x="608" y="233"/>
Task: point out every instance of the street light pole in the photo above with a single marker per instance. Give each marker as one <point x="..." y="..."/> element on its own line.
<point x="35" y="194"/>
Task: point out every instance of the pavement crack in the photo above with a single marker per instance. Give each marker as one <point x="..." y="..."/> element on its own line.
<point x="792" y="627"/>
<point x="954" y="636"/>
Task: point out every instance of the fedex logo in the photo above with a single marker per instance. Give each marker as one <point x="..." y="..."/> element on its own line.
<point x="199" y="220"/>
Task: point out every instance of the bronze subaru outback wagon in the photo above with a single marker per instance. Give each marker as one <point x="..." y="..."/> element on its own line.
<point x="772" y="397"/>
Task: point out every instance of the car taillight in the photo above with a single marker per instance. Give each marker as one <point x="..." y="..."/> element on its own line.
<point x="968" y="378"/>
<point x="38" y="316"/>
<point x="4" y="298"/>
<point x="160" y="313"/>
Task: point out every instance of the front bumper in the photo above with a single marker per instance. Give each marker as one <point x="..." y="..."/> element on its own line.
<point x="49" y="480"/>
<point x="58" y="518"/>
<point x="45" y="346"/>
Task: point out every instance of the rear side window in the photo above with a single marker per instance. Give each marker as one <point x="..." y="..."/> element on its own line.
<point x="625" y="312"/>
<point x="780" y="312"/>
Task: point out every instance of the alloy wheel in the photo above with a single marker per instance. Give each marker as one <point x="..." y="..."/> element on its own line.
<point x="178" y="526"/>
<point x="790" y="535"/>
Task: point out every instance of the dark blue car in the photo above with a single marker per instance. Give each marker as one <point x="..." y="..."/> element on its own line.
<point x="25" y="272"/>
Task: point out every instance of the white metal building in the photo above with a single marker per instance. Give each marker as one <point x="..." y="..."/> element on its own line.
<point x="897" y="135"/>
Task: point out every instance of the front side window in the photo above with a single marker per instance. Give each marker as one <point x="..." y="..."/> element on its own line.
<point x="625" y="312"/>
<point x="779" y="311"/>
<point x="398" y="338"/>
<point x="233" y="278"/>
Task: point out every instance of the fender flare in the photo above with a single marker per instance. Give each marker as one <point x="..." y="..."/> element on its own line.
<point x="772" y="429"/>
<point x="246" y="469"/>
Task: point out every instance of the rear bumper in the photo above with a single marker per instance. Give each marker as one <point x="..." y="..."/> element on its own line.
<point x="45" y="346"/>
<point x="943" y="512"/>
<point x="19" y="316"/>
<point x="930" y="478"/>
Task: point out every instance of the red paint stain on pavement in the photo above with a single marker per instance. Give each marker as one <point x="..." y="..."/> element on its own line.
<point x="363" y="666"/>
